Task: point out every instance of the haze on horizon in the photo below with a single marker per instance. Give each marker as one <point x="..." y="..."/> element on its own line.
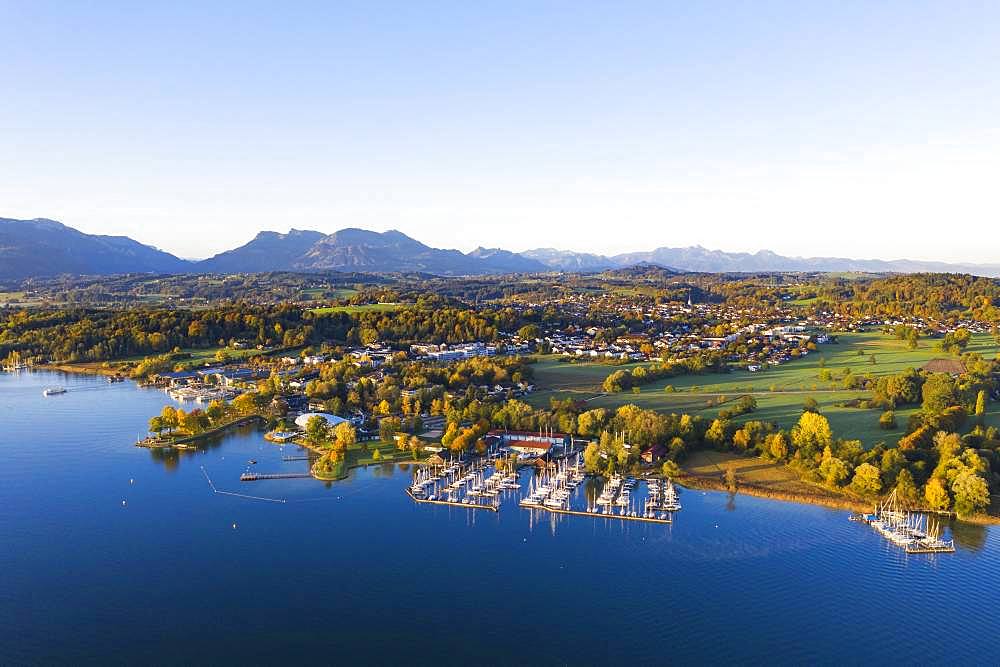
<point x="857" y="130"/>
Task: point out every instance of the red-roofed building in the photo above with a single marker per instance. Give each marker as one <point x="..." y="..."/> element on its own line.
<point x="529" y="442"/>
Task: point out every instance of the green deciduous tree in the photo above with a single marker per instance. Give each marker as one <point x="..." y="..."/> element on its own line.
<point x="971" y="493"/>
<point x="867" y="480"/>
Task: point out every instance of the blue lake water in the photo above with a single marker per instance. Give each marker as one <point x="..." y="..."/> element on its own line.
<point x="110" y="553"/>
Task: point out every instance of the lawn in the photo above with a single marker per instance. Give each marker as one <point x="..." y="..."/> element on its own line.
<point x="365" y="308"/>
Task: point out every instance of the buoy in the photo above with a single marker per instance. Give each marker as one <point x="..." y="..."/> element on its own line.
<point x="131" y="480"/>
<point x="234" y="525"/>
<point x="123" y="503"/>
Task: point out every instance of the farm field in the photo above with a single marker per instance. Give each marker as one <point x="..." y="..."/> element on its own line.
<point x="365" y="308"/>
<point x="317" y="293"/>
<point x="779" y="391"/>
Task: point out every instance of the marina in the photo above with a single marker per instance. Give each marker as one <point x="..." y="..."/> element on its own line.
<point x="915" y="532"/>
<point x="553" y="488"/>
<point x="200" y="394"/>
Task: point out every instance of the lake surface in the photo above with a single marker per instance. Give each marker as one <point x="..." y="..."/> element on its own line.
<point x="110" y="554"/>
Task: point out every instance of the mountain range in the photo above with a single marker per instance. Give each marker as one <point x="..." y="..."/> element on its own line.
<point x="42" y="247"/>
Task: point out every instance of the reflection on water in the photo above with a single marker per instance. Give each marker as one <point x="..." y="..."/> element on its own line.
<point x="968" y="536"/>
<point x="113" y="553"/>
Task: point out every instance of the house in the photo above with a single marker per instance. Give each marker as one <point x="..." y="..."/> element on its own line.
<point x="952" y="367"/>
<point x="654" y="454"/>
<point x="177" y="379"/>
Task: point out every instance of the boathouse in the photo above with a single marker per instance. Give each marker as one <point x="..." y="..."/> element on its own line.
<point x="529" y="442"/>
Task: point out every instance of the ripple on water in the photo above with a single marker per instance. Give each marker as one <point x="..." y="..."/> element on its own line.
<point x="739" y="580"/>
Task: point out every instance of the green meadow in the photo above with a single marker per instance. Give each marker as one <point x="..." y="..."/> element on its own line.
<point x="364" y="308"/>
<point x="779" y="391"/>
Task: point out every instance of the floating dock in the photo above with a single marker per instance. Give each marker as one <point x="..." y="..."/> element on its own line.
<point x="468" y="506"/>
<point x="597" y="515"/>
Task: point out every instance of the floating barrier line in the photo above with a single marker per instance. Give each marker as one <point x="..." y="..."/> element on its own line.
<point x="238" y="495"/>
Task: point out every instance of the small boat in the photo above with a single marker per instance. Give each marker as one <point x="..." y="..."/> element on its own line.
<point x="52" y="391"/>
<point x="252" y="462"/>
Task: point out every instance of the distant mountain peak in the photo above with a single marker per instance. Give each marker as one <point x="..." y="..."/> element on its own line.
<point x="45" y="247"/>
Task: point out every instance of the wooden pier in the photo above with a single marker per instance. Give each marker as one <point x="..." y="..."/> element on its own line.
<point x="948" y="548"/>
<point x="595" y="515"/>
<point x="468" y="506"/>
<point x="297" y="458"/>
<point x="255" y="476"/>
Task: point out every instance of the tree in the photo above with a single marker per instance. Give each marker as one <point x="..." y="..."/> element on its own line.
<point x="891" y="464"/>
<point x="834" y="471"/>
<point x="388" y="428"/>
<point x="156" y="425"/>
<point x="376" y="455"/>
<point x="810" y="404"/>
<point x="245" y="404"/>
<point x="592" y="422"/>
<point x="906" y="489"/>
<point x="731" y="478"/>
<point x="415" y="446"/>
<point x="317" y="430"/>
<point x="938" y="394"/>
<point x="971" y="493"/>
<point x="169" y="418"/>
<point x="592" y="458"/>
<point x="811" y="435"/>
<point x="936" y="495"/>
<point x="867" y="480"/>
<point x="671" y="469"/>
<point x="529" y="332"/>
<point x="716" y="433"/>
<point x="887" y="421"/>
<point x="344" y="436"/>
<point x="776" y="445"/>
<point x="980" y="405"/>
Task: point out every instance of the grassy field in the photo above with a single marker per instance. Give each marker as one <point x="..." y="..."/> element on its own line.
<point x="198" y="356"/>
<point x="317" y="293"/>
<point x="365" y="308"/>
<point x="752" y="470"/>
<point x="779" y="391"/>
<point x="7" y="297"/>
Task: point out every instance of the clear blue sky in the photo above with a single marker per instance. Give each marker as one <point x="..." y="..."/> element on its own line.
<point x="837" y="128"/>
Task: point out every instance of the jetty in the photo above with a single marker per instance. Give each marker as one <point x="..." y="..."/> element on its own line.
<point x="453" y="503"/>
<point x="598" y="515"/>
<point x="256" y="476"/>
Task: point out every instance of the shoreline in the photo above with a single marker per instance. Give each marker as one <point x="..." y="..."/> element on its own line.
<point x="697" y="482"/>
<point x="78" y="369"/>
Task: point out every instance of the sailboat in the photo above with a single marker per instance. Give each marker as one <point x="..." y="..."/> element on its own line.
<point x="14" y="362"/>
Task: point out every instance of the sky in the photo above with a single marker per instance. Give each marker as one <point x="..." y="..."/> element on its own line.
<point x="856" y="129"/>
